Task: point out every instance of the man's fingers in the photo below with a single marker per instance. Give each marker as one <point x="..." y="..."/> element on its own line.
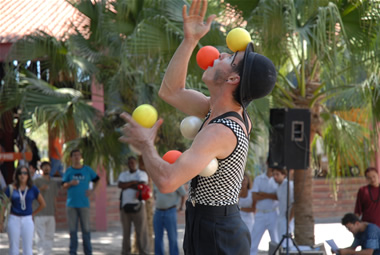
<point x="197" y="7"/>
<point x="204" y="8"/>
<point x="192" y="7"/>
<point x="157" y="125"/>
<point x="210" y="19"/>
<point x="123" y="139"/>
<point x="184" y="12"/>
<point x="125" y="116"/>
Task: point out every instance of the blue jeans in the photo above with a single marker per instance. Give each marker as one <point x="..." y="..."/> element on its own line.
<point x="83" y="215"/>
<point x="165" y="219"/>
<point x="56" y="166"/>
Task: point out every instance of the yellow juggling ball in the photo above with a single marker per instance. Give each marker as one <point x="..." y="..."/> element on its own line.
<point x="238" y="39"/>
<point x="145" y="115"/>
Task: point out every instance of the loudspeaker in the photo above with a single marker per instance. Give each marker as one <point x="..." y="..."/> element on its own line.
<point x="289" y="143"/>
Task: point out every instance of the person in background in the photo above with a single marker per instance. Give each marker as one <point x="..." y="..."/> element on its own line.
<point x="45" y="220"/>
<point x="34" y="171"/>
<point x="368" y="198"/>
<point x="279" y="175"/>
<point x="247" y="207"/>
<point x="264" y="195"/>
<point x="165" y="217"/>
<point x="77" y="180"/>
<point x="367" y="235"/>
<point x="132" y="210"/>
<point x="55" y="156"/>
<point x="20" y="223"/>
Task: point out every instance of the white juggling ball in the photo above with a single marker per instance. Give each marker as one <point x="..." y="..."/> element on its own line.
<point x="210" y="169"/>
<point x="190" y="126"/>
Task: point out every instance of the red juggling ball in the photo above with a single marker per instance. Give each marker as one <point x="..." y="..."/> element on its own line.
<point x="171" y="156"/>
<point x="206" y="56"/>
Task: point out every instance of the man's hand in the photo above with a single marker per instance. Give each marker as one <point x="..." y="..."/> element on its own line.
<point x="89" y="192"/>
<point x="74" y="183"/>
<point x="136" y="135"/>
<point x="193" y="24"/>
<point x="45" y="187"/>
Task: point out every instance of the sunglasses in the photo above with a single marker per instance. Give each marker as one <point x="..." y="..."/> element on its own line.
<point x="24" y="173"/>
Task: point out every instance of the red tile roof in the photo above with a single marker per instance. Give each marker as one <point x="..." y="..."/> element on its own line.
<point x="22" y="17"/>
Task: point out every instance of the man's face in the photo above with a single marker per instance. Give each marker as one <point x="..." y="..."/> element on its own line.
<point x="46" y="169"/>
<point x="278" y="176"/>
<point x="223" y="67"/>
<point x="353" y="227"/>
<point x="269" y="171"/>
<point x="76" y="157"/>
<point x="132" y="165"/>
<point x="32" y="170"/>
<point x="372" y="178"/>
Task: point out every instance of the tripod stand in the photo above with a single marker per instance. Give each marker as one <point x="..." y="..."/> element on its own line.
<point x="287" y="235"/>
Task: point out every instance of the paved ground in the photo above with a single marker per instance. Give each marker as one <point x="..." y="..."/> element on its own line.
<point x="109" y="243"/>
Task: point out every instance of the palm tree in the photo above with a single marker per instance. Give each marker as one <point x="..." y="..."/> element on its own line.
<point x="315" y="46"/>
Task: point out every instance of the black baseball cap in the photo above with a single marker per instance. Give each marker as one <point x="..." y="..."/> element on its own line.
<point x="258" y="76"/>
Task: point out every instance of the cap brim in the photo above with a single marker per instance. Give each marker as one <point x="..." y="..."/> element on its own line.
<point x="247" y="66"/>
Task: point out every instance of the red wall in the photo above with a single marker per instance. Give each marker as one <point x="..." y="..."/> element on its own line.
<point x="325" y="204"/>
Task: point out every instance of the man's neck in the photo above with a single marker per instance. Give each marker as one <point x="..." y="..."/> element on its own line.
<point x="223" y="105"/>
<point x="363" y="226"/>
<point x="46" y="176"/>
<point x="77" y="166"/>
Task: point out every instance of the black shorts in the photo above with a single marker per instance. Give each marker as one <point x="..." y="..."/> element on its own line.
<point x="215" y="230"/>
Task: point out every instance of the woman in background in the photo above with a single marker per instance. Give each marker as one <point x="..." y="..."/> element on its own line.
<point x="20" y="223"/>
<point x="247" y="208"/>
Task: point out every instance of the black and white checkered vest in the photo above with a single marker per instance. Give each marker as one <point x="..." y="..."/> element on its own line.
<point x="223" y="187"/>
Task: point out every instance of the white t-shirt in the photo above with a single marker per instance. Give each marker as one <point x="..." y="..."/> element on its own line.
<point x="264" y="184"/>
<point x="246" y="202"/>
<point x="129" y="195"/>
<point x="282" y="196"/>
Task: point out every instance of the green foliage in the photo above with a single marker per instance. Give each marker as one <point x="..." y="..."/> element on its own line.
<point x="317" y="47"/>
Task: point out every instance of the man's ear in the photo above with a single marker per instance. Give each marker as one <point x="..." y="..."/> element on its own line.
<point x="233" y="79"/>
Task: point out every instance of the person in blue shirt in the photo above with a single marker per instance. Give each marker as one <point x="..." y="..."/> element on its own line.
<point x="367" y="235"/>
<point x="20" y="222"/>
<point x="76" y="180"/>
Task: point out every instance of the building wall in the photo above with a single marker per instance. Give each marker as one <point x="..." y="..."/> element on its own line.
<point x="326" y="205"/>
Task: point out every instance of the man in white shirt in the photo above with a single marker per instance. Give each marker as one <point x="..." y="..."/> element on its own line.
<point x="264" y="194"/>
<point x="133" y="210"/>
<point x="279" y="176"/>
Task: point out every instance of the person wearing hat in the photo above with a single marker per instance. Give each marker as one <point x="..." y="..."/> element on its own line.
<point x="213" y="222"/>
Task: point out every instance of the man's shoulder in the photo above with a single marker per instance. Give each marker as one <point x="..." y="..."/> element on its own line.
<point x="261" y="177"/>
<point x="373" y="228"/>
<point x="87" y="168"/>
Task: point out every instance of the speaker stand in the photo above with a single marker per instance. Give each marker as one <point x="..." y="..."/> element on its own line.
<point x="288" y="235"/>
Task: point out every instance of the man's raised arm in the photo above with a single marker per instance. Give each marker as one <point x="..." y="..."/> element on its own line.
<point x="172" y="88"/>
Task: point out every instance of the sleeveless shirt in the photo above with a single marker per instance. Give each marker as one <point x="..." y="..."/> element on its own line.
<point x="223" y="187"/>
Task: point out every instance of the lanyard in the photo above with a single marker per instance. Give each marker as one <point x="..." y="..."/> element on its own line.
<point x="370" y="195"/>
<point x="22" y="198"/>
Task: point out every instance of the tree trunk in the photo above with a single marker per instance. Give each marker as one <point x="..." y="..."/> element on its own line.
<point x="7" y="135"/>
<point x="303" y="207"/>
